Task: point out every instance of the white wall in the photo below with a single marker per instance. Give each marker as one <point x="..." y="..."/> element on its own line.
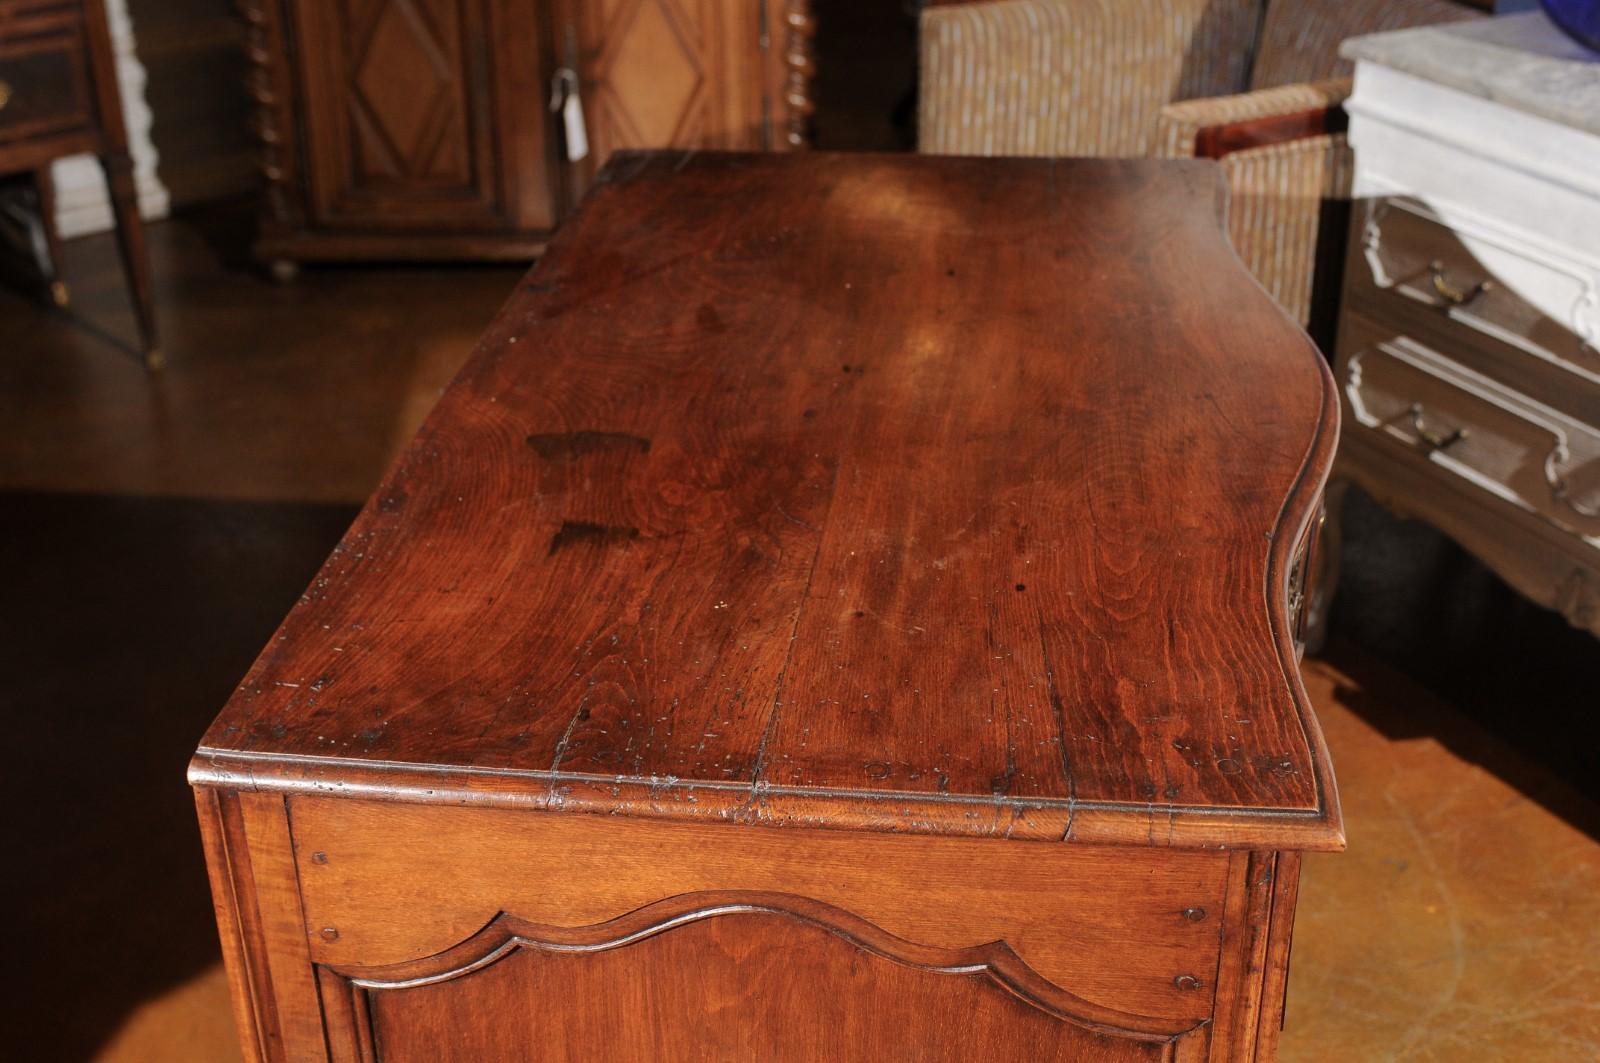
<point x="82" y="205"/>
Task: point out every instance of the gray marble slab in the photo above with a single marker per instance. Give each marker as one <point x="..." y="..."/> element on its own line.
<point x="1522" y="61"/>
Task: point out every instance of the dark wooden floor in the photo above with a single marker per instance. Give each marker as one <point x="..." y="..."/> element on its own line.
<point x="154" y="530"/>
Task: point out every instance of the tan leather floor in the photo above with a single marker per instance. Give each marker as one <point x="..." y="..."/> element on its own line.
<point x="178" y="518"/>
<point x="1463" y="923"/>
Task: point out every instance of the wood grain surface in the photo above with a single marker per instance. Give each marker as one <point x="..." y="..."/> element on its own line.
<point x="910" y="494"/>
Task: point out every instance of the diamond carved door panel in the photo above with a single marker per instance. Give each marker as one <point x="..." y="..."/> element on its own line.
<point x="410" y="127"/>
<point x="690" y="73"/>
<point x="402" y="133"/>
<point x="650" y="79"/>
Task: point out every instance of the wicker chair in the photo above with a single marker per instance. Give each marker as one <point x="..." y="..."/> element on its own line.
<point x="1165" y="77"/>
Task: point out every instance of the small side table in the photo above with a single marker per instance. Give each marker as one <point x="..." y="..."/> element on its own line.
<point x="58" y="97"/>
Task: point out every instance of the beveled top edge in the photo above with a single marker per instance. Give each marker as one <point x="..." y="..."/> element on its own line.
<point x="1085" y="822"/>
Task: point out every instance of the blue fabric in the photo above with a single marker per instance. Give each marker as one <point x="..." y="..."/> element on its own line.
<point x="1580" y="18"/>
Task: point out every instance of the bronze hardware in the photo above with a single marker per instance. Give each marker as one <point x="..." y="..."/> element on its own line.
<point x="1434" y="439"/>
<point x="5" y="94"/>
<point x="1452" y="295"/>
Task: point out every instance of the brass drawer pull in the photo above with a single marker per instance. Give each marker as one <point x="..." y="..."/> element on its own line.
<point x="1558" y="456"/>
<point x="1452" y="295"/>
<point x="5" y="94"/>
<point x="1434" y="439"/>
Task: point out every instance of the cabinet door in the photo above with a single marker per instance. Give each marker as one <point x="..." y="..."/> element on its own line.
<point x="685" y="73"/>
<point x="424" y="114"/>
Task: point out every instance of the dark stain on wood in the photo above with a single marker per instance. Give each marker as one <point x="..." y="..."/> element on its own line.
<point x="708" y="319"/>
<point x="578" y="532"/>
<point x="570" y="446"/>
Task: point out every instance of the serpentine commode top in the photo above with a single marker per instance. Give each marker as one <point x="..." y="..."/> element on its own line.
<point x="865" y="492"/>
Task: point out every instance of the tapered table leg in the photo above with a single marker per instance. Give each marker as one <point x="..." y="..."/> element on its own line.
<point x="135" y="257"/>
<point x="45" y="188"/>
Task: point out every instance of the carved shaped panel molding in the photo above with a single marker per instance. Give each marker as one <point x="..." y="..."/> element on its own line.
<point x="722" y="976"/>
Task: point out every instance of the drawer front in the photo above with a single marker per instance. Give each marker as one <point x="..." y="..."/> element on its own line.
<point x="1534" y="300"/>
<point x="44" y="88"/>
<point x="1472" y="430"/>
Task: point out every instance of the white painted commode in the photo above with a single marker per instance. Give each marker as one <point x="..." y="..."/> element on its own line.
<point x="1468" y="358"/>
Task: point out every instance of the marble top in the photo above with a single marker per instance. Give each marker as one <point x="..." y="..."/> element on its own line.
<point x="1521" y="61"/>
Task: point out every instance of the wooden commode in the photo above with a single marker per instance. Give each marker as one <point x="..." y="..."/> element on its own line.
<point x="845" y="609"/>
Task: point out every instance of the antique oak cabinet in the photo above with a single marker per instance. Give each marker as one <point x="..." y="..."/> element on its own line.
<point x="465" y="129"/>
<point x="844" y="610"/>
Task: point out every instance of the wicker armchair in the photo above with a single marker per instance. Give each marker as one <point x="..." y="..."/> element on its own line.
<point x="1255" y="85"/>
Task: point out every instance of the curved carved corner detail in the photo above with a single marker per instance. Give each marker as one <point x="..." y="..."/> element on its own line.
<point x="1555" y="477"/>
<point x="1286" y="591"/>
<point x="506" y="934"/>
<point x="263" y="44"/>
<point x="1578" y="599"/>
<point x="1372" y="246"/>
<point x="1298" y="591"/>
<point x="1586" y="319"/>
<point x="799" y="68"/>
